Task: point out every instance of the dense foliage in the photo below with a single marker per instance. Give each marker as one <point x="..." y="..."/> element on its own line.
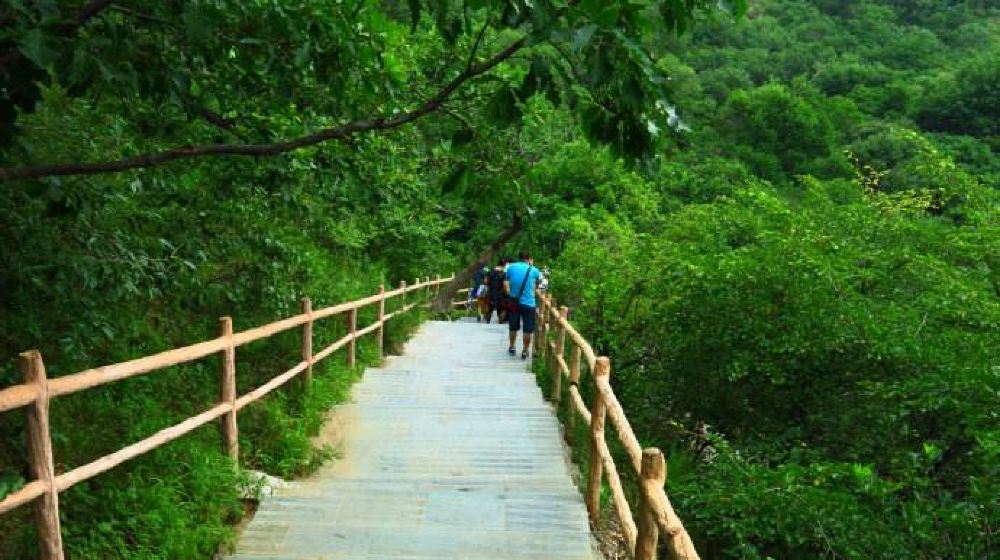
<point x="783" y="228"/>
<point x="807" y="313"/>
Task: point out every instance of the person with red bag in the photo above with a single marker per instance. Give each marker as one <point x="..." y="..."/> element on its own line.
<point x="520" y="286"/>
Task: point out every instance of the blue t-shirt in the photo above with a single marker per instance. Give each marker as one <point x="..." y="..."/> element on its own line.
<point x="517" y="274"/>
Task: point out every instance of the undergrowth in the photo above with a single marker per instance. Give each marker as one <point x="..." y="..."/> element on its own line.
<point x="181" y="501"/>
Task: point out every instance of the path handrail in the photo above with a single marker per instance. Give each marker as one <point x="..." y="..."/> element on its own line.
<point x="655" y="514"/>
<point x="464" y="301"/>
<point x="37" y="390"/>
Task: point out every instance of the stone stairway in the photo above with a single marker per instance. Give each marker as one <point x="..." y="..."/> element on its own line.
<point x="449" y="451"/>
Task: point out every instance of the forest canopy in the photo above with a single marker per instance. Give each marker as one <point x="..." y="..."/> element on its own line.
<point x="779" y="218"/>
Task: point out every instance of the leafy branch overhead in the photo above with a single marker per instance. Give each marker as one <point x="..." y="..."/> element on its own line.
<point x="272" y="77"/>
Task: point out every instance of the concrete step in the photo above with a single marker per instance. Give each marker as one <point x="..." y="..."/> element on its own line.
<point x="449" y="452"/>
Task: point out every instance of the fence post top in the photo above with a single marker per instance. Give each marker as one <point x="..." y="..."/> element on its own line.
<point x="31" y="365"/>
<point x="654" y="466"/>
<point x="30" y="355"/>
<point x="564" y="311"/>
<point x="306" y="302"/>
<point x="381" y="288"/>
<point x="225" y="319"/>
<point x="602" y="367"/>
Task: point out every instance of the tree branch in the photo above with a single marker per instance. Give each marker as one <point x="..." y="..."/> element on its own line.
<point x="90" y="10"/>
<point x="342" y="132"/>
<point x="442" y="303"/>
<point x="216" y="119"/>
<point x="139" y="15"/>
<point x="475" y="46"/>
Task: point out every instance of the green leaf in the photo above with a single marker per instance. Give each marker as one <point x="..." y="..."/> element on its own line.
<point x="36" y="46"/>
<point x="302" y="55"/>
<point x="582" y="37"/>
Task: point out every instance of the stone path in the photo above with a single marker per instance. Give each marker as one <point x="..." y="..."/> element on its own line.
<point x="449" y="452"/>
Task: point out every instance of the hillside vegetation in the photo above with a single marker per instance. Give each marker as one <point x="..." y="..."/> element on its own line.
<point x="803" y="303"/>
<point x="779" y="219"/>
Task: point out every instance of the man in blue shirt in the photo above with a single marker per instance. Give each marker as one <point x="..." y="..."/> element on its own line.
<point x="521" y="284"/>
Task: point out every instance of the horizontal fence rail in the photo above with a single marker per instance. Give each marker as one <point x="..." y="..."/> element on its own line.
<point x="460" y="303"/>
<point x="655" y="515"/>
<point x="34" y="394"/>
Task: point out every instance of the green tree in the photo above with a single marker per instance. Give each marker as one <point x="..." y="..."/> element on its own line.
<point x="282" y="65"/>
<point x="775" y="130"/>
<point x="967" y="102"/>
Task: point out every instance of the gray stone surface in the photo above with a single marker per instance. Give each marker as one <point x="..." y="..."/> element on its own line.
<point x="449" y="451"/>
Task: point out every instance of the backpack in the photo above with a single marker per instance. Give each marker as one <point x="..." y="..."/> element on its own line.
<point x="495" y="281"/>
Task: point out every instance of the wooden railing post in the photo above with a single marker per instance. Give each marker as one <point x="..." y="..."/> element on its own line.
<point x="550" y="353"/>
<point x="574" y="381"/>
<point x="307" y="341"/>
<point x="602" y="370"/>
<point x="551" y="327"/>
<point x="550" y="304"/>
<point x="352" y="329"/>
<point x="230" y="429"/>
<point x="652" y="478"/>
<point x="543" y="312"/>
<point x="380" y="333"/>
<point x="539" y="326"/>
<point x="40" y="457"/>
<point x="402" y="296"/>
<point x="437" y="285"/>
<point x="560" y="352"/>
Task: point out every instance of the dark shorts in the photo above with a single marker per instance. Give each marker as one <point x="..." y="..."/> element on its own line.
<point x="525" y="314"/>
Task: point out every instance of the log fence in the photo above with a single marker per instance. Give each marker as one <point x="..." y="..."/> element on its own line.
<point x="37" y="390"/>
<point x="463" y="302"/>
<point x="655" y="515"/>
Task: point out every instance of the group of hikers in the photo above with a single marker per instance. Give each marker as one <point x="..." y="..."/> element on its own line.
<point x="509" y="290"/>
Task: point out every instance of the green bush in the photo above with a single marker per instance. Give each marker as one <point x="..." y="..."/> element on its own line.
<point x="814" y="336"/>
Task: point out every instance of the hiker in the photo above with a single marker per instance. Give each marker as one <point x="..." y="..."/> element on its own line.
<point x="543" y="285"/>
<point x="477" y="280"/>
<point x="521" y="285"/>
<point x="469" y="298"/>
<point x="494" y="282"/>
<point x="482" y="295"/>
<point x="479" y="276"/>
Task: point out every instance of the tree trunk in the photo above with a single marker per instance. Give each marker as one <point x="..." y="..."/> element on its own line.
<point x="442" y="303"/>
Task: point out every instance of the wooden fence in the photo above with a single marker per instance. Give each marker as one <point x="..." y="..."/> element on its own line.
<point x="36" y="391"/>
<point x="655" y="514"/>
